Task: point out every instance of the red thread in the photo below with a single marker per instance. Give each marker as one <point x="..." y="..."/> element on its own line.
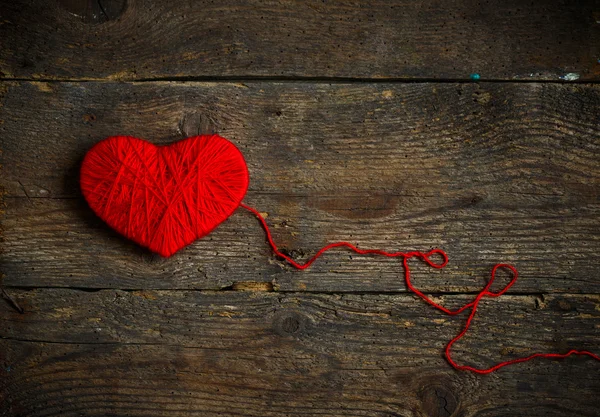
<point x="406" y="256"/>
<point x="164" y="197"/>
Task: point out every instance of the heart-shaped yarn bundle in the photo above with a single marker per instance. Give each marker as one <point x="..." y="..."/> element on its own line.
<point x="164" y="197"/>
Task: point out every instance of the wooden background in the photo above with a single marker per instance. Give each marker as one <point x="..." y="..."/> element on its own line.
<point x="359" y="122"/>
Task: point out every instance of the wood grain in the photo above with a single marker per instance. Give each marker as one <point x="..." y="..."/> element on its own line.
<point x="489" y="172"/>
<point x="256" y="353"/>
<point x="146" y="39"/>
<point x="357" y="125"/>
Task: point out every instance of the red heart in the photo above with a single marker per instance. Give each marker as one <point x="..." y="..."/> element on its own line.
<point x="164" y="197"/>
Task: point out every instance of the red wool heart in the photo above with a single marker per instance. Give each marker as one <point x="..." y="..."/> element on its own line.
<point x="164" y="197"/>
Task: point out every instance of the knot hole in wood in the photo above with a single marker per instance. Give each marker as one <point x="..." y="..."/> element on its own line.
<point x="438" y="401"/>
<point x="290" y="323"/>
<point x="195" y="124"/>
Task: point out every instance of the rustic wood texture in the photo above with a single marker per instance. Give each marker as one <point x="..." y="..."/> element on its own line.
<point x="146" y="39"/>
<point x="489" y="172"/>
<point x="257" y="353"/>
<point x="357" y="125"/>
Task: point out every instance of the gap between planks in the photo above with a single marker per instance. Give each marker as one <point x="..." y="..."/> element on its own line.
<point x="288" y="79"/>
<point x="257" y="286"/>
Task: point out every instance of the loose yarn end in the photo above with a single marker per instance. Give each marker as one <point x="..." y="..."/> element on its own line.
<point x="426" y="257"/>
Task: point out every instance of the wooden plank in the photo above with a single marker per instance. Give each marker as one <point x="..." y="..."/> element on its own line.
<point x="314" y="138"/>
<point x="490" y="173"/>
<point x="60" y="242"/>
<point x="256" y="353"/>
<point x="146" y="39"/>
<point x="406" y="140"/>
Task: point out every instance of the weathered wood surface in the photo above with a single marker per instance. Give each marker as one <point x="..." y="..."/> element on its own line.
<point x="256" y="353"/>
<point x="145" y="39"/>
<point x="490" y="172"/>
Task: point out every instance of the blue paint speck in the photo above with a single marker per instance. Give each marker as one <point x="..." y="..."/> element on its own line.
<point x="8" y="369"/>
<point x="475" y="76"/>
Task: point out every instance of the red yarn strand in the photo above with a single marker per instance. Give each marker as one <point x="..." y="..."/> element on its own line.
<point x="165" y="197"/>
<point x="425" y="257"/>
